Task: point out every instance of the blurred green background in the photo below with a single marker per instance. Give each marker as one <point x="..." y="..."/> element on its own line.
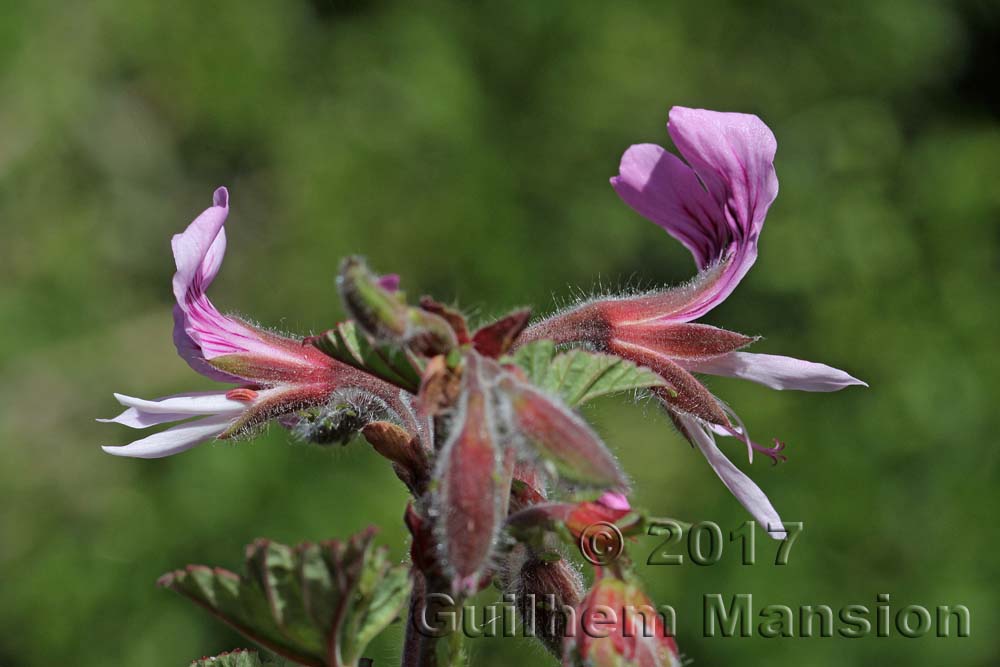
<point x="468" y="146"/>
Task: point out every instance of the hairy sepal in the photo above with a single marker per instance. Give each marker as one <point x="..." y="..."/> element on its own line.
<point x="469" y="499"/>
<point x="560" y="437"/>
<point x="544" y="585"/>
<point x="497" y="338"/>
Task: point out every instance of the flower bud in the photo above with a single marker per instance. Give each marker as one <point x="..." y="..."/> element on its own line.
<point x="619" y="627"/>
<point x="379" y="311"/>
<point x="384" y="314"/>
<point x="547" y="589"/>
<point x="470" y="494"/>
<point x="562" y="438"/>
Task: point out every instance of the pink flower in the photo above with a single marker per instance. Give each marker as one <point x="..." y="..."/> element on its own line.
<point x="715" y="204"/>
<point x="276" y="375"/>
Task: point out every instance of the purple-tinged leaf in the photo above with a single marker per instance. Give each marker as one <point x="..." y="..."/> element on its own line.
<point x="316" y="604"/>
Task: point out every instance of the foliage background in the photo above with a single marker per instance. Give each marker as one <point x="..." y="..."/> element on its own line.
<point x="468" y="147"/>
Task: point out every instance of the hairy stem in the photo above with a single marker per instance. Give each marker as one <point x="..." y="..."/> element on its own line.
<point x="418" y="649"/>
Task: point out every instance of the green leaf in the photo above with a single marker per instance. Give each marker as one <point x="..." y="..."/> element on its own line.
<point x="239" y="658"/>
<point x="578" y="376"/>
<point x="350" y="345"/>
<point x="316" y="604"/>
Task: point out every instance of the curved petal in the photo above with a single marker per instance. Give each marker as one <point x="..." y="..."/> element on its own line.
<point x="733" y="155"/>
<point x="741" y="486"/>
<point x="199" y="249"/>
<point x="201" y="332"/>
<point x="143" y="414"/>
<point x="135" y="418"/>
<point x="660" y="187"/>
<point x="775" y="371"/>
<point x="191" y="403"/>
<point x="174" y="440"/>
<point x="190" y="351"/>
<point x="717" y="205"/>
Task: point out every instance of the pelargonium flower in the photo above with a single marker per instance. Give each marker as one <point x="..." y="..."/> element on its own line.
<point x="715" y="205"/>
<point x="275" y="375"/>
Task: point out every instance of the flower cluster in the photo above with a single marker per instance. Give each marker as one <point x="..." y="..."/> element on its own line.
<point x="480" y="425"/>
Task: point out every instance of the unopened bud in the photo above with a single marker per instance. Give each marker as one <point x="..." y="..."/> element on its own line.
<point x="578" y="518"/>
<point x="547" y="589"/>
<point x="377" y="310"/>
<point x="562" y="438"/>
<point x="470" y="496"/>
<point x="620" y="627"/>
<point x="384" y="314"/>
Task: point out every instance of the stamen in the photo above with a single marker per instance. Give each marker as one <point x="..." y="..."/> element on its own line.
<point x="741" y="433"/>
<point x="773" y="452"/>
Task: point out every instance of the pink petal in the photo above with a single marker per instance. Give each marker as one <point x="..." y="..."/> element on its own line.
<point x="741" y="486"/>
<point x="174" y="440"/>
<point x="201" y="332"/>
<point x="615" y="501"/>
<point x="732" y="156"/>
<point x="659" y="186"/>
<point x="198" y="251"/>
<point x="775" y="371"/>
<point x="191" y="352"/>
<point x="389" y="281"/>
